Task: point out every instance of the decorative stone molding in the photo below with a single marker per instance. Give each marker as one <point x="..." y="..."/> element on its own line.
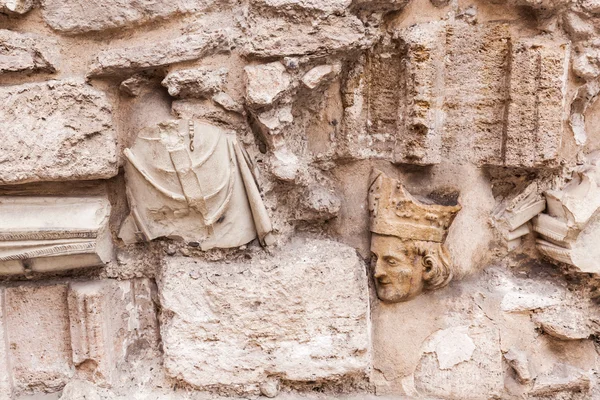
<point x="192" y="180"/>
<point x="407" y="242"/>
<point x="47" y="234"/>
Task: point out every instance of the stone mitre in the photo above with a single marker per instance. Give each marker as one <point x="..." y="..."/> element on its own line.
<point x="395" y="212"/>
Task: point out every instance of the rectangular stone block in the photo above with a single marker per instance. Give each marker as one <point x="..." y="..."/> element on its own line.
<point x="56" y="130"/>
<point x="124" y="61"/>
<point x="534" y="126"/>
<point x="300" y="315"/>
<point x="37" y="329"/>
<point x="475" y="91"/>
<point x="419" y="140"/>
<point x="27" y="52"/>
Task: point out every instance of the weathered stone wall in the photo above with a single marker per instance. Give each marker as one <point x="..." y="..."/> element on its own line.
<point x="262" y="130"/>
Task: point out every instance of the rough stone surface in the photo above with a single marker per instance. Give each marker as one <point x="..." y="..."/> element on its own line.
<point x="293" y="331"/>
<point x="27" y="53"/>
<point x="265" y="83"/>
<point x="77" y="16"/>
<point x="562" y="378"/>
<point x="16" y="6"/>
<point x="70" y="133"/>
<point x="197" y="82"/>
<point x="131" y="59"/>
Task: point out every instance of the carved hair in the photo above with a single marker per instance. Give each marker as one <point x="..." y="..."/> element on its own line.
<point x="437" y="267"/>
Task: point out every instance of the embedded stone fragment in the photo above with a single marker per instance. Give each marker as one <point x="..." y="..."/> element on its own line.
<point x="56" y="130"/>
<point x="238" y="325"/>
<point x="48" y="234"/>
<point x="570" y="229"/>
<point x="265" y="83"/>
<point x="129" y="60"/>
<point x="16" y="6"/>
<point x="564" y="323"/>
<point x="37" y="328"/>
<point x="229" y="104"/>
<point x="195" y="82"/>
<point x="585" y="97"/>
<point x="380" y="5"/>
<point x="562" y="378"/>
<point x="318" y="203"/>
<point x="586" y="62"/>
<point x="203" y="181"/>
<point x="420" y="76"/>
<point x="451" y="346"/>
<point x="519" y="363"/>
<point x="534" y="126"/>
<point x="80" y="16"/>
<point x="527" y="301"/>
<point x="277" y="37"/>
<point x="83" y="390"/>
<point x="26" y="52"/>
<point x="319" y="74"/>
<point x="576" y="27"/>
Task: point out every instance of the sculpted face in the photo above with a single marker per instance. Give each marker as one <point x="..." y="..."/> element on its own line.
<point x="397" y="269"/>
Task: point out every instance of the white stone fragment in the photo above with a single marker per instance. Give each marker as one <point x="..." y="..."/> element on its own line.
<point x="518" y="361"/>
<point x="320" y="6"/>
<point x="265" y="83"/>
<point x="27" y="52"/>
<point x="56" y="130"/>
<point x="16" y="6"/>
<point x="522" y="301"/>
<point x="300" y="315"/>
<point x="319" y="74"/>
<point x="451" y="346"/>
<point x="562" y="378"/>
<point x="195" y="82"/>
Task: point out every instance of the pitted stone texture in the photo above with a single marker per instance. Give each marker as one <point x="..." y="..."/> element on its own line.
<point x="276" y="37"/>
<point x="27" y="53"/>
<point x="5" y="378"/>
<point x="80" y="16"/>
<point x="37" y="329"/>
<point x="56" y="130"/>
<point x="128" y="60"/>
<point x="300" y="315"/>
<point x="316" y="6"/>
<point x="16" y="6"/>
<point x="195" y="82"/>
<point x="85" y="329"/>
<point x="265" y="83"/>
<point x="380" y="5"/>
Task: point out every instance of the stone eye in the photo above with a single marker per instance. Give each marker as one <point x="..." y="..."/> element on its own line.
<point x="391" y="261"/>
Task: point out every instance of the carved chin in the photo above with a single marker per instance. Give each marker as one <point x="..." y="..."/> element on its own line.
<point x="391" y="294"/>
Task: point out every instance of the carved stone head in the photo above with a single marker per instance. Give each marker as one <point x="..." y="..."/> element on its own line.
<point x="408" y="254"/>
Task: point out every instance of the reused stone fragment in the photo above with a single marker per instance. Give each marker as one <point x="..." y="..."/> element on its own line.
<point x="319" y="74"/>
<point x="265" y="83"/>
<point x="562" y="378"/>
<point x="128" y="60"/>
<point x="519" y="363"/>
<point x="80" y="16"/>
<point x="316" y="6"/>
<point x="564" y="323"/>
<point x="56" y="130"/>
<point x="27" y="52"/>
<point x="195" y="82"/>
<point x="16" y="6"/>
<point x="277" y="37"/>
<point x="237" y="324"/>
<point x="380" y="5"/>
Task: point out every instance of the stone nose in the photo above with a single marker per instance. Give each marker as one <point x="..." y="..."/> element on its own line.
<point x="379" y="271"/>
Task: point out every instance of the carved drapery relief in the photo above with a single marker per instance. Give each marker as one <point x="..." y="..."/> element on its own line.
<point x="44" y="234"/>
<point x="192" y="180"/>
<point x="569" y="231"/>
<point x="407" y="241"/>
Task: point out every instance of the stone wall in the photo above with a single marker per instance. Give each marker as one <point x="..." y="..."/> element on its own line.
<point x="205" y="199"/>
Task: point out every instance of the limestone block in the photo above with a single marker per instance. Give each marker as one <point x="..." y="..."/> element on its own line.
<point x="201" y="179"/>
<point x="16" y="6"/>
<point x="105" y="321"/>
<point x="277" y="37"/>
<point x="80" y="16"/>
<point x="46" y="234"/>
<point x="37" y="329"/>
<point x="69" y="128"/>
<point x="27" y="52"/>
<point x="319" y="74"/>
<point x="520" y="364"/>
<point x="564" y="323"/>
<point x="421" y="141"/>
<point x="534" y="126"/>
<point x="299" y="315"/>
<point x="265" y="83"/>
<point x="82" y="390"/>
<point x="195" y="82"/>
<point x="123" y="61"/>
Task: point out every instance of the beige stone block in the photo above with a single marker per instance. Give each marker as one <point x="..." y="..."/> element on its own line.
<point x="56" y="130"/>
<point x="420" y="139"/>
<point x="128" y="60"/>
<point x="27" y="52"/>
<point x="16" y="6"/>
<point x="5" y="371"/>
<point x="316" y="6"/>
<point x="535" y="113"/>
<point x="299" y="315"/>
<point x="265" y="83"/>
<point x="37" y="329"/>
<point x="198" y="82"/>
